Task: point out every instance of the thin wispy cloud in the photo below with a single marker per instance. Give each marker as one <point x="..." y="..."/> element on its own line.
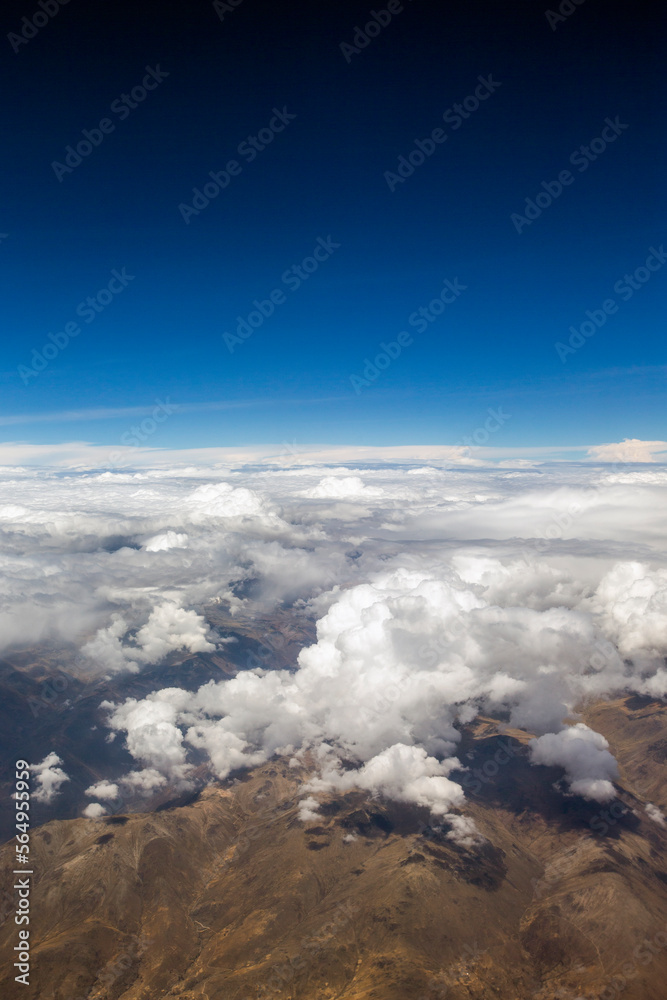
<point x="130" y="412"/>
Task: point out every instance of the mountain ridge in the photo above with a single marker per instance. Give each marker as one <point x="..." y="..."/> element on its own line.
<point x="233" y="896"/>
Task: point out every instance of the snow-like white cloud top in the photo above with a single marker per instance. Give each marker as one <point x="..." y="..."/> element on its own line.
<point x="95" y="810"/>
<point x="167" y="540"/>
<point x="342" y="488"/>
<point x="169" y="628"/>
<point x="49" y="777"/>
<point x="437" y="593"/>
<point x="584" y="754"/>
<point x="103" y="790"/>
<point x="223" y="500"/>
<point x="403" y="773"/>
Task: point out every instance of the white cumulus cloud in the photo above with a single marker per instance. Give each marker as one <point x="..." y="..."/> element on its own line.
<point x="94" y="810"/>
<point x="584" y="754"/>
<point x="49" y="777"/>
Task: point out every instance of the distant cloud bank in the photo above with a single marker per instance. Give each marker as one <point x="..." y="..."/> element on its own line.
<point x="83" y="455"/>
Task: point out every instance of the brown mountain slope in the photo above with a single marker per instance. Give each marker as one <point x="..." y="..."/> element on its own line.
<point x="50" y="700"/>
<point x="233" y="897"/>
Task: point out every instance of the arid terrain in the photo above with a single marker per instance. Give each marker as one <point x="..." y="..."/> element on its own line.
<point x="48" y="703"/>
<point x="231" y="896"/>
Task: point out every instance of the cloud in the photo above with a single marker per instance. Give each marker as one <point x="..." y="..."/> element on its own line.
<point x="152" y="735"/>
<point x="143" y="782"/>
<point x="85" y="455"/>
<point x="136" y="783"/>
<point x="49" y="777"/>
<point x="589" y="766"/>
<point x="223" y="500"/>
<point x="647" y="477"/>
<point x="103" y="790"/>
<point x="655" y="814"/>
<point x="343" y="487"/>
<point x="95" y="810"/>
<point x="169" y="628"/>
<point x="399" y="662"/>
<point x="167" y="540"/>
<point x="631" y="600"/>
<point x="82" y="455"/>
<point x="438" y="593"/>
<point x="107" y="650"/>
<point x="629" y="450"/>
<point x="405" y="774"/>
<point x="309" y="810"/>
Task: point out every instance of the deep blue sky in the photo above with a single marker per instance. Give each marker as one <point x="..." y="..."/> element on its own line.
<point x="323" y="176"/>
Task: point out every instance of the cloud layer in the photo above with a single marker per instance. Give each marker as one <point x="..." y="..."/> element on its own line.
<point x="438" y="594"/>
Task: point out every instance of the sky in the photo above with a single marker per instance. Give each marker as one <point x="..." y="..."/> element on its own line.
<point x="369" y="166"/>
